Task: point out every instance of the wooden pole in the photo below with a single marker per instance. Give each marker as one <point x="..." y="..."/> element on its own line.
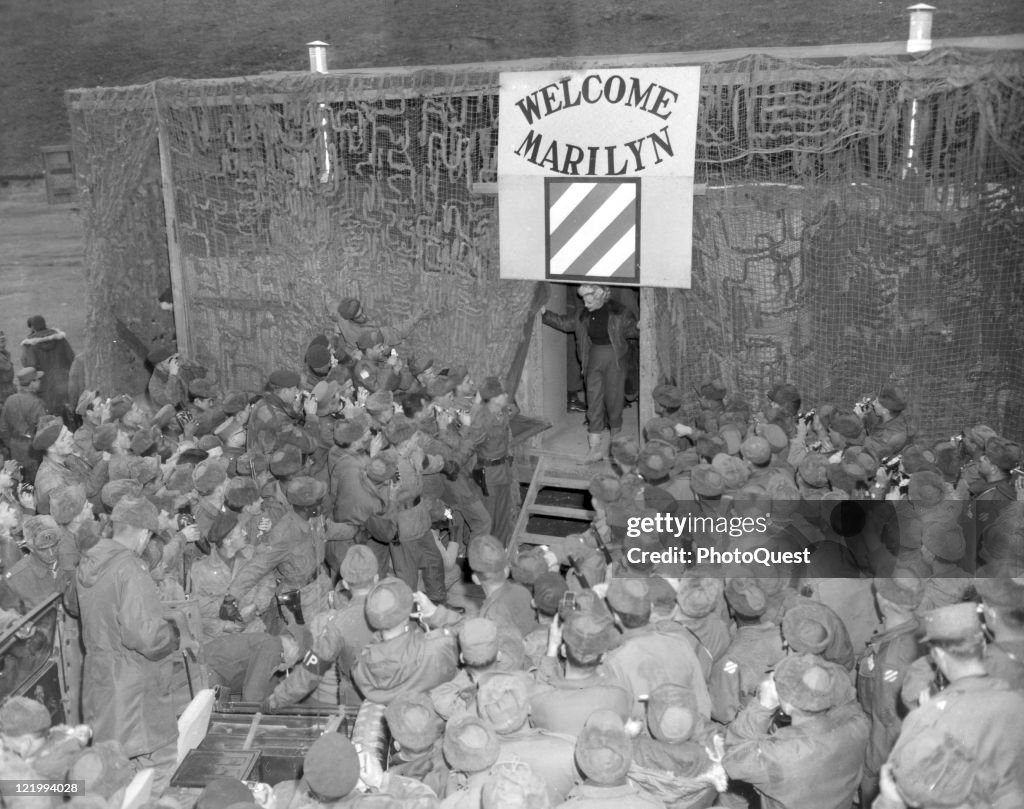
<point x="179" y="288"/>
<point x="648" y="357"/>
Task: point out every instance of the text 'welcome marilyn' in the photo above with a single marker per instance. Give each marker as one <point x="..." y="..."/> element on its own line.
<point x="614" y="160"/>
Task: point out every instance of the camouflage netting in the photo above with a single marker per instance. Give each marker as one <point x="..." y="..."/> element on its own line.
<point x="833" y="248"/>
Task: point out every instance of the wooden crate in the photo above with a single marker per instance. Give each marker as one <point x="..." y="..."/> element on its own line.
<point x="59" y="168"/>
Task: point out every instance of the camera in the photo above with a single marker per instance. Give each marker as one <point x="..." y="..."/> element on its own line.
<point x="863" y="404"/>
<point x="183" y="519"/>
<point x="807" y="417"/>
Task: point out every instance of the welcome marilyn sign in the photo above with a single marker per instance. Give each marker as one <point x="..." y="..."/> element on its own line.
<point x="595" y="175"/>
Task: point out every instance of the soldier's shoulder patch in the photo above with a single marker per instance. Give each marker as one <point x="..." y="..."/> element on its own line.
<point x="730" y="667"/>
<point x="891" y="675"/>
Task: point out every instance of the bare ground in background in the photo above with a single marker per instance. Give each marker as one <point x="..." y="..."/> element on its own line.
<point x="48" y="46"/>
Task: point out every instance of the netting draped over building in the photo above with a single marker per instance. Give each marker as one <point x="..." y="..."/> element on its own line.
<point x="864" y="222"/>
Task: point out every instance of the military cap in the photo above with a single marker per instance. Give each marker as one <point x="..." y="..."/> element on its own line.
<point x="734" y="471"/>
<point x="388" y="604"/>
<point x="915" y="458"/>
<point x="706" y="482"/>
<point x="223" y="524"/>
<point x="283" y="378"/>
<point x="359" y="566"/>
<point x="66" y="503"/>
<point x="380" y="401"/>
<point x="547" y="593"/>
<point x="926" y="489"/>
<point x="234" y="401"/>
<point x="210" y="474"/>
<point x="47" y="432"/>
<point x="331" y="766"/>
<point x="629" y="597"/>
<point x="222" y="793"/>
<point x="136" y="512"/>
<point x="400" y="428"/>
<point x="655" y="461"/>
<point x="202" y="388"/>
<point x="625" y="451"/>
<point x="698" y="595"/>
<point x="285" y="461"/>
<point x="491" y="388"/>
<point x="714" y="390"/>
<point x="85" y="400"/>
<point x="440" y="387"/>
<point x="478" y="641"/>
<point x="945" y="540"/>
<point x="103" y="437"/>
<point x="811" y="683"/>
<point x="351" y="309"/>
<point x="733" y="438"/>
<point x="776" y="437"/>
<point x="935" y="770"/>
<point x="745" y="597"/>
<point x="241" y="492"/>
<point x="318" y="354"/>
<point x="470" y="744"/>
<point x="368" y="338"/>
<point x="163" y="418"/>
<point x="947" y="460"/>
<point x="708" y="446"/>
<point x="413" y="722"/>
<point x="103" y="767"/>
<point x="858" y="464"/>
<point x="20" y="716"/>
<point x="114" y="491"/>
<point x="1001" y="591"/>
<point x="591" y="565"/>
<point x="388" y="379"/>
<point x="514" y="785"/>
<point x="661" y="428"/>
<point x="1002" y="453"/>
<point x="784" y="393"/>
<point x="586" y="637"/>
<point x="180" y="479"/>
<point x="119" y="406"/>
<point x="848" y="424"/>
<point x="585" y="601"/>
<point x="28" y="375"/>
<point x="756" y="449"/>
<point x="192" y="456"/>
<point x="606" y="487"/>
<point x="208" y="442"/>
<point x="143" y="441"/>
<point x="501" y="699"/>
<point x="892" y="398"/>
<point x="603" y="750"/>
<point x="668" y="396"/>
<point x="364" y="373"/>
<point x="529" y="566"/>
<point x="806" y="629"/>
<point x="349" y="432"/>
<point x="159" y="354"/>
<point x="457" y="374"/>
<point x="304" y="491"/>
<point x="672" y="713"/>
<point x="486" y="554"/>
<point x="956" y="622"/>
<point x="813" y="470"/>
<point x="35" y="525"/>
<point x="382" y="467"/>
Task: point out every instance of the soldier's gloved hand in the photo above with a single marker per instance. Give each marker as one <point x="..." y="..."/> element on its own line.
<point x="768" y="695"/>
<point x="264" y="525"/>
<point x="450" y="470"/>
<point x="229" y="610"/>
<point x="633" y="728"/>
<point x="190" y="533"/>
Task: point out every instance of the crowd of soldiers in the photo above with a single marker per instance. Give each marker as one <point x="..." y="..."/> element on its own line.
<point x="346" y="534"/>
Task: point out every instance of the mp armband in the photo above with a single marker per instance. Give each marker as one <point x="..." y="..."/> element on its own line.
<point x="316" y="664"/>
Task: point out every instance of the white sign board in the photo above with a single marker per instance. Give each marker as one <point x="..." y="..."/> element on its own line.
<point x="595" y="175"/>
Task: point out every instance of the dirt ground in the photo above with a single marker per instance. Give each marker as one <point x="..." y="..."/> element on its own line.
<point x="41" y="261"/>
<point x="48" y="46"/>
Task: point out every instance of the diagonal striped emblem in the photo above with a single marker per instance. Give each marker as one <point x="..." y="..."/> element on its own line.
<point x="593" y="230"/>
